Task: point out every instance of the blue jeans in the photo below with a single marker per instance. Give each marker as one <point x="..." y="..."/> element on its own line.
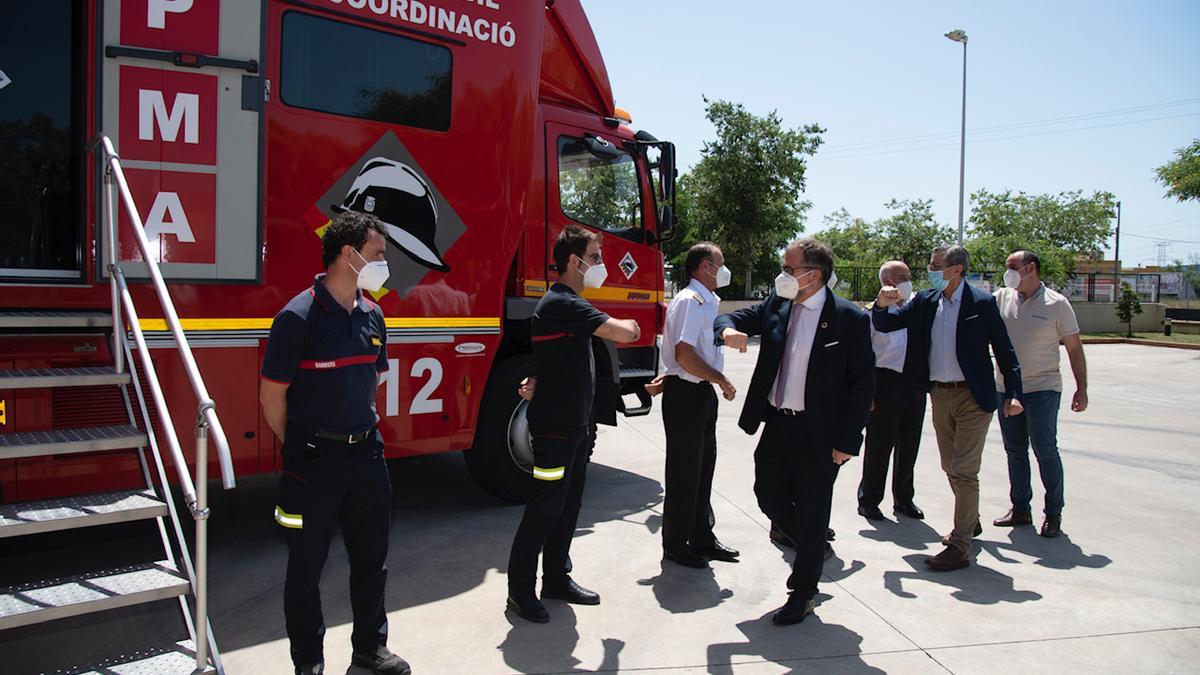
<point x="1037" y="425"/>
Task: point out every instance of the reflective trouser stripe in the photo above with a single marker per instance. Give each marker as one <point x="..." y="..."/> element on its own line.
<point x="296" y="522"/>
<point x="555" y="473"/>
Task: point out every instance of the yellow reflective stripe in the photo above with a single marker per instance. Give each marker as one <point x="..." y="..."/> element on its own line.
<point x="555" y="473"/>
<point x="296" y="522"/>
<point x="265" y="323"/>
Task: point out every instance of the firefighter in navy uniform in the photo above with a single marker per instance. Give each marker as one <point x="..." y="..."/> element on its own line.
<point x="560" y="415"/>
<point x="319" y="377"/>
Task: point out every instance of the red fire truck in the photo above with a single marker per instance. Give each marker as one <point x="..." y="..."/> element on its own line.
<point x="474" y="129"/>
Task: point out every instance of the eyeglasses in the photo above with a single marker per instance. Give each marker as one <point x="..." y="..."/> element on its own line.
<point x="790" y="271"/>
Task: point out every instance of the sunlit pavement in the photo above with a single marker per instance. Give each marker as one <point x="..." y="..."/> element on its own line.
<point x="1119" y="592"/>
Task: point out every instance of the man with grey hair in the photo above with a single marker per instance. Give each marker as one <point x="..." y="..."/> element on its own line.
<point x="953" y="325"/>
<point x="897" y="417"/>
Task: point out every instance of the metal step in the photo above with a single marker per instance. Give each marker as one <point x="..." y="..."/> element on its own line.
<point x="55" y="319"/>
<point x="58" y="599"/>
<point x="69" y="441"/>
<point x="179" y="658"/>
<point x="88" y="376"/>
<point x="70" y="513"/>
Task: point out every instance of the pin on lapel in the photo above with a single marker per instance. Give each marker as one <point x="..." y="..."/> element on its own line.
<point x="824" y="324"/>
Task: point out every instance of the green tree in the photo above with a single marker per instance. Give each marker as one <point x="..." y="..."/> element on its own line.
<point x="1181" y="176"/>
<point x="744" y="193"/>
<point x="1128" y="306"/>
<point x="912" y="232"/>
<point x="1059" y="228"/>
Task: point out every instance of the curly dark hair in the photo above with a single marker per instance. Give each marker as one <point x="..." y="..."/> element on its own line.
<point x="349" y="227"/>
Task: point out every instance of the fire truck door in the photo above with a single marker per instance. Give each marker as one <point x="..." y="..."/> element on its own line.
<point x="182" y="100"/>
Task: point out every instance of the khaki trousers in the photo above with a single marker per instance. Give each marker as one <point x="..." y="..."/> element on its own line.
<point x="961" y="427"/>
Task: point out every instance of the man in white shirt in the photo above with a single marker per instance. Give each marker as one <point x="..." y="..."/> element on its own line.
<point x="694" y="363"/>
<point x="897" y="418"/>
<point x="1037" y="318"/>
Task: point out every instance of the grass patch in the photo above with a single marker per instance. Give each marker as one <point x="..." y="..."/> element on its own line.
<point x="1188" y="338"/>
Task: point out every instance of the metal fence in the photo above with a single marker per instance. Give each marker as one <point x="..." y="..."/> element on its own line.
<point x="861" y="284"/>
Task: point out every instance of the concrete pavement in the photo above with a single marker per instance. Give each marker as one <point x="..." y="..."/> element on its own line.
<point x="1119" y="592"/>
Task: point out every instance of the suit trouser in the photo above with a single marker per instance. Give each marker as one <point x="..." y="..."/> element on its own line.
<point x="794" y="484"/>
<point x="327" y="483"/>
<point x="895" y="423"/>
<point x="548" y="523"/>
<point x="689" y="412"/>
<point x="961" y="427"/>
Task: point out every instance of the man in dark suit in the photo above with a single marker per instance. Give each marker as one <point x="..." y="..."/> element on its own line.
<point x="812" y="386"/>
<point x="950" y="328"/>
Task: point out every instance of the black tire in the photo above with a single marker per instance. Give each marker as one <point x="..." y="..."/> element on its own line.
<point x="501" y="459"/>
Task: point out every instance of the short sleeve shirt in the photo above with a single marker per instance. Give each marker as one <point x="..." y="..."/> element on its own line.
<point x="562" y="328"/>
<point x="1035" y="326"/>
<point x="330" y="358"/>
<point x="690" y="318"/>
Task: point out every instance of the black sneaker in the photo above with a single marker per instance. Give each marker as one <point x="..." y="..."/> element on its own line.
<point x="381" y="662"/>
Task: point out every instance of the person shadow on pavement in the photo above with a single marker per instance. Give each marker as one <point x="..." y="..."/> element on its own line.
<point x="915" y="535"/>
<point x="975" y="584"/>
<point x="680" y="591"/>
<point x="1059" y="553"/>
<point x="550" y="647"/>
<point x="812" y="646"/>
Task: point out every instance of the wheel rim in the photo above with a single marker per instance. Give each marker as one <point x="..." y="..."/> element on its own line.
<point x="520" y="442"/>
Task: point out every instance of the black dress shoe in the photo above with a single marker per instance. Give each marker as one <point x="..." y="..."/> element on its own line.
<point x="794" y="610"/>
<point x="381" y="662"/>
<point x="685" y="557"/>
<point x="778" y="537"/>
<point x="571" y="592"/>
<point x="1052" y="526"/>
<point x="830" y="535"/>
<point x="870" y="512"/>
<point x="528" y="607"/>
<point x="717" y="551"/>
<point x="911" y="510"/>
<point x="311" y="669"/>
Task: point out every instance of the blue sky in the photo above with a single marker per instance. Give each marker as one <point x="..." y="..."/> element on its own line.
<point x="875" y="72"/>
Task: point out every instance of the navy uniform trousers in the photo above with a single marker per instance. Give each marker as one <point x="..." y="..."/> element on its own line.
<point x="552" y="512"/>
<point x="326" y="484"/>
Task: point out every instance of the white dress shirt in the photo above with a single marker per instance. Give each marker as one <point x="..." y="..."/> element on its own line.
<point x="690" y="319"/>
<point x="889" y="348"/>
<point x="793" y="366"/>
<point x="943" y="345"/>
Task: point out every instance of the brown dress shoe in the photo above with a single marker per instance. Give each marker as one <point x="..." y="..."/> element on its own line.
<point x="952" y="558"/>
<point x="978" y="531"/>
<point x="1052" y="526"/>
<point x="1014" y="518"/>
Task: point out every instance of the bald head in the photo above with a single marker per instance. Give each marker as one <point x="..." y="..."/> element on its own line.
<point x="894" y="272"/>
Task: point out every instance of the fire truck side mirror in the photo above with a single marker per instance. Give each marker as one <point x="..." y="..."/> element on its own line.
<point x="666" y="222"/>
<point x="667" y="170"/>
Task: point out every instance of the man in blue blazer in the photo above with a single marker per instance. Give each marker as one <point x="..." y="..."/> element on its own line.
<point x="950" y="328"/>
<point x="812" y="387"/>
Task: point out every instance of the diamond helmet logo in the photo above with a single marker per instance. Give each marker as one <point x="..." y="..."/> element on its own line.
<point x="401" y="199"/>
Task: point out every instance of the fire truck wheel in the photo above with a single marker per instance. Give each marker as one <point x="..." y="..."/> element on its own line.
<point x="501" y="460"/>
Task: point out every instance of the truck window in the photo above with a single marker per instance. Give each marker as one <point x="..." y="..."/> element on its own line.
<point x="344" y="69"/>
<point x="598" y="191"/>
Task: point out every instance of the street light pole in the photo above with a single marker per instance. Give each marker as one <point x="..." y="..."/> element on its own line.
<point x="961" y="36"/>
<point x="1117" y="247"/>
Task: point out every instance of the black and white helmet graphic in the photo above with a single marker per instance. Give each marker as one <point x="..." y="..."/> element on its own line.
<point x="403" y="202"/>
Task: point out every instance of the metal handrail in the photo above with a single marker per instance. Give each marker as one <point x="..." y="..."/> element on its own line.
<point x="207" y="423"/>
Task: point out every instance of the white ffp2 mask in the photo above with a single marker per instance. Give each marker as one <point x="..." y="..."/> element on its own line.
<point x="595" y="275"/>
<point x="373" y="275"/>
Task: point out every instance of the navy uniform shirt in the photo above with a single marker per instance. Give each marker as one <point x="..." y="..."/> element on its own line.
<point x="562" y="329"/>
<point x="330" y="357"/>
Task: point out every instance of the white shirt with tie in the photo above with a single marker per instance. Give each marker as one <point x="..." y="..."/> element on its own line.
<point x="793" y="366"/>
<point x="943" y="338"/>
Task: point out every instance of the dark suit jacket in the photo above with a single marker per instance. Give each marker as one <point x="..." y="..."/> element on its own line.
<point x="979" y="324"/>
<point x="841" y="369"/>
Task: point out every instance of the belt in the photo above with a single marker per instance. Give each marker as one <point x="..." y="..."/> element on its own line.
<point x="348" y="439"/>
<point x="787" y="411"/>
<point x="952" y="385"/>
